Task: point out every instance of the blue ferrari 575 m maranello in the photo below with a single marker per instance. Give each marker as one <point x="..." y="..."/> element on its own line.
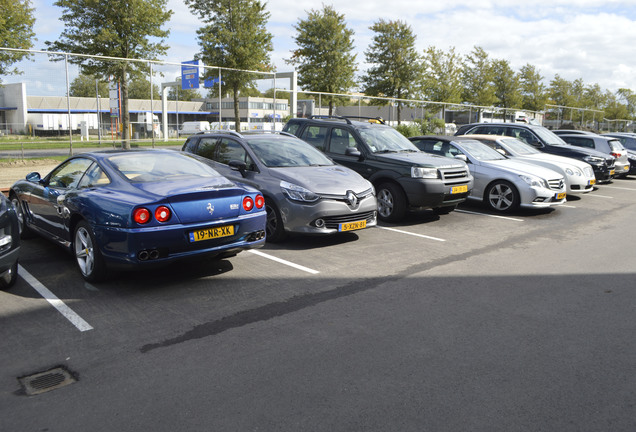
<point x="139" y="208"/>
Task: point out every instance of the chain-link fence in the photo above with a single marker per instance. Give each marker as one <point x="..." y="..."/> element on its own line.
<point x="52" y="104"/>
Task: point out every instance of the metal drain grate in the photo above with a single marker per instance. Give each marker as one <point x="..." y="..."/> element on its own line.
<point x="46" y="381"/>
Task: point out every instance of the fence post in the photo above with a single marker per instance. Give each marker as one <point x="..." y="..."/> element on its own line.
<point x="68" y="103"/>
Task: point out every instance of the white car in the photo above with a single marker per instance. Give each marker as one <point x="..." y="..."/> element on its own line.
<point x="579" y="176"/>
<point x="502" y="184"/>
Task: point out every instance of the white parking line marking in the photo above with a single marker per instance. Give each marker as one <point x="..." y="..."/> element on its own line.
<point x="566" y="206"/>
<point x="618" y="187"/>
<point x="489" y="215"/>
<point x="282" y="261"/>
<point x="410" y="233"/>
<point x="58" y="304"/>
<point x="600" y="196"/>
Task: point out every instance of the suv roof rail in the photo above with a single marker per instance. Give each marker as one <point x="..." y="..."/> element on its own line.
<point x="224" y="131"/>
<point x="253" y="132"/>
<point x="378" y="120"/>
<point x="329" y="117"/>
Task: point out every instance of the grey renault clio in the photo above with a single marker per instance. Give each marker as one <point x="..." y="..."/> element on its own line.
<point x="305" y="191"/>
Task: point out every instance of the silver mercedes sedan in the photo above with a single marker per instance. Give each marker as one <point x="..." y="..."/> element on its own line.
<point x="579" y="176"/>
<point x="305" y="191"/>
<point x="502" y="184"/>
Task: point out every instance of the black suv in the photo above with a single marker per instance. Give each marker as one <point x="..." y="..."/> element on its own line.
<point x="404" y="177"/>
<point x="546" y="141"/>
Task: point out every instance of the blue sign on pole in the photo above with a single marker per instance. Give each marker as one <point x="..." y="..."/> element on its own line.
<point x="190" y="74"/>
<point x="211" y="82"/>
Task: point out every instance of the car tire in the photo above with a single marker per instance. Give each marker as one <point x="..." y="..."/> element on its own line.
<point x="8" y="280"/>
<point x="87" y="254"/>
<point x="391" y="202"/>
<point x="444" y="210"/>
<point x="25" y="231"/>
<point x="501" y="196"/>
<point x="274" y="228"/>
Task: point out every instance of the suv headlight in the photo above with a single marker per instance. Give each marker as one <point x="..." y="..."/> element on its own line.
<point x="419" y="172"/>
<point x="535" y="181"/>
<point x="593" y="160"/>
<point x="297" y="193"/>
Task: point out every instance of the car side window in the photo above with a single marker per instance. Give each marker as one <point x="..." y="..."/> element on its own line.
<point x="523" y="135"/>
<point x="315" y="135"/>
<point x="190" y="145"/>
<point x="206" y="147"/>
<point x="228" y="150"/>
<point x="68" y="175"/>
<point x="340" y="140"/>
<point x="94" y="177"/>
<point x="292" y="128"/>
<point x="579" y="141"/>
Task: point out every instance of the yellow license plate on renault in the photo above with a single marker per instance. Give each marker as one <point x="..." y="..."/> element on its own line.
<point x="211" y="233"/>
<point x="351" y="226"/>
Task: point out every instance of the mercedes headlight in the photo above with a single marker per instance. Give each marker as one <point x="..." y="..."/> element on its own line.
<point x="419" y="172"/>
<point x="297" y="193"/>
<point x="535" y="181"/>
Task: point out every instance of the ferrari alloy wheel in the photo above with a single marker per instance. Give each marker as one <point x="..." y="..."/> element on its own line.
<point x="87" y="255"/>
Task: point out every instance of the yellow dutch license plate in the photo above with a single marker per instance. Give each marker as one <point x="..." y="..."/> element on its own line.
<point x="612" y="172"/>
<point x="592" y="182"/>
<point x="350" y="226"/>
<point x="626" y="168"/>
<point x="560" y="196"/>
<point x="211" y="233"/>
<point x="459" y="189"/>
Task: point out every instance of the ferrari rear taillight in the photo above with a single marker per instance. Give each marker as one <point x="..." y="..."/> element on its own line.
<point x="162" y="214"/>
<point x="259" y="202"/>
<point x="248" y="203"/>
<point x="141" y="215"/>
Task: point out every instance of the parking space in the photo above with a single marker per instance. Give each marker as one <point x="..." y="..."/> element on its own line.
<point x="450" y="282"/>
<point x="272" y="273"/>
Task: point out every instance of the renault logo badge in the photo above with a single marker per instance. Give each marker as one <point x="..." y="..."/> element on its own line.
<point x="352" y="199"/>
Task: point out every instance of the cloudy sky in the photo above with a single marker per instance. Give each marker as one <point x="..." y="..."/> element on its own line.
<point x="590" y="39"/>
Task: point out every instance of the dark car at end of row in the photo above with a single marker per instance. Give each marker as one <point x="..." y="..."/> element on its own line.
<point x="546" y="141"/>
<point x="9" y="243"/>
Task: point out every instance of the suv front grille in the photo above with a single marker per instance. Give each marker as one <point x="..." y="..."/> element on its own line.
<point x="454" y="175"/>
<point x="332" y="222"/>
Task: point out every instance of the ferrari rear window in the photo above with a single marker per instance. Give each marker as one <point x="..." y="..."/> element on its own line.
<point x="159" y="166"/>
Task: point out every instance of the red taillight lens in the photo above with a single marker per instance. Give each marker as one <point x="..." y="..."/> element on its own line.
<point x="248" y="203"/>
<point x="259" y="202"/>
<point x="616" y="155"/>
<point x="162" y="214"/>
<point x="141" y="215"/>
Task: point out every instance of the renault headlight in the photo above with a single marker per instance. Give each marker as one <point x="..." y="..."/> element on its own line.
<point x="420" y="172"/>
<point x="297" y="193"/>
<point x="535" y="181"/>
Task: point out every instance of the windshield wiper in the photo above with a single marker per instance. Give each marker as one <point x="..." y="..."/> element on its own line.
<point x="386" y="151"/>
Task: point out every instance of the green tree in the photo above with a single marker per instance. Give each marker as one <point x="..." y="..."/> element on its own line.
<point x="395" y="65"/>
<point x="442" y="79"/>
<point x="478" y="78"/>
<point x="324" y="56"/>
<point x="628" y="97"/>
<point x="129" y="29"/>
<point x="234" y="36"/>
<point x="16" y="31"/>
<point x="84" y="86"/>
<point x="506" y="83"/>
<point x="533" y="91"/>
<point x="139" y="88"/>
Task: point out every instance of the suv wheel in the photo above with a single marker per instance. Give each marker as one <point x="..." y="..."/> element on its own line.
<point x="501" y="196"/>
<point x="391" y="202"/>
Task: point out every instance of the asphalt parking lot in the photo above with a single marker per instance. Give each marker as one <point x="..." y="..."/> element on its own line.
<point x="468" y="321"/>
